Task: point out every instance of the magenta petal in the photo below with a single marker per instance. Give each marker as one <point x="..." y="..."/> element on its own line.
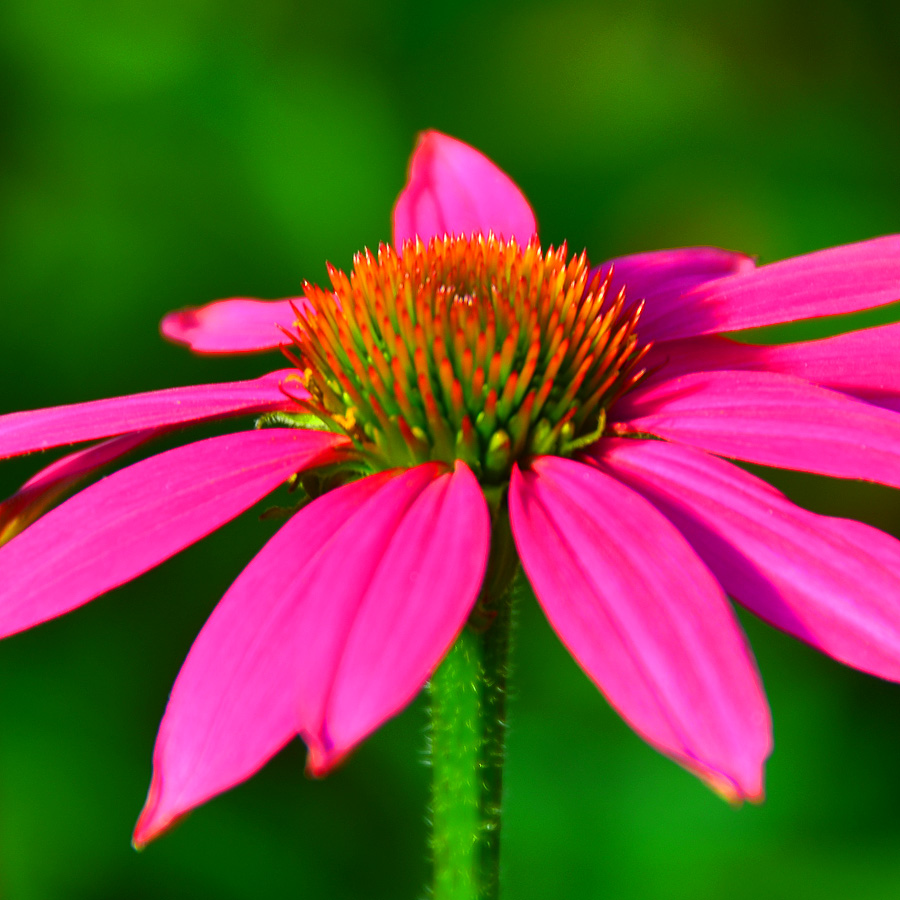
<point x="831" y="582"/>
<point x="453" y="189"/>
<point x="238" y="325"/>
<point x="40" y="429"/>
<point x="44" y="489"/>
<point x="775" y="420"/>
<point x="644" y="618"/>
<point x="662" y="275"/>
<point x="411" y="597"/>
<point x="861" y="363"/>
<point x="827" y="283"/>
<point x="131" y="521"/>
<point x="331" y="629"/>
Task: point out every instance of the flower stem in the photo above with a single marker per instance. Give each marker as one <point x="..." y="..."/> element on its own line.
<point x="468" y="730"/>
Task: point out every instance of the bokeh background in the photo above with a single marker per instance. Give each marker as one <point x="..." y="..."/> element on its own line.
<point x="159" y="155"/>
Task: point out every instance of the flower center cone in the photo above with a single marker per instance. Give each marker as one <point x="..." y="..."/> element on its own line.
<point x="472" y="349"/>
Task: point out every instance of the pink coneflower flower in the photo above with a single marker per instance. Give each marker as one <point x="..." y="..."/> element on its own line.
<point x="462" y="392"/>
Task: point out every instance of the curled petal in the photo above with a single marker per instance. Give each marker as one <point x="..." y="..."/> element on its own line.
<point x="125" y="524"/>
<point x="453" y="189"/>
<point x="771" y="419"/>
<point x="348" y="609"/>
<point x="238" y="325"/>
<point x="827" y="283"/>
<point x="833" y="583"/>
<point x="40" y="492"/>
<point x="644" y="618"/>
<point x="40" y="429"/>
<point x="860" y="363"/>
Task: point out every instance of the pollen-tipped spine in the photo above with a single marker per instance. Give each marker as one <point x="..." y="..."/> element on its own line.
<point x="467" y="348"/>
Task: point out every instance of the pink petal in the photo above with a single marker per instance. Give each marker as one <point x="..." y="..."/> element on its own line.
<point x="861" y="363"/>
<point x="668" y="273"/>
<point x="831" y="582"/>
<point x="131" y="521"/>
<point x="238" y="325"/>
<point x="775" y="420"/>
<point x="40" y="492"/>
<point x="453" y="189"/>
<point x="40" y="429"/>
<point x="331" y="629"/>
<point x="827" y="283"/>
<point x="644" y="618"/>
<point x="411" y="598"/>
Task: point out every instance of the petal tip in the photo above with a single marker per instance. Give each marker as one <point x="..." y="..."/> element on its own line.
<point x="158" y="816"/>
<point x="322" y="756"/>
<point x="176" y="326"/>
<point x="153" y="820"/>
<point x="453" y="188"/>
<point x="237" y="325"/>
<point x="734" y="792"/>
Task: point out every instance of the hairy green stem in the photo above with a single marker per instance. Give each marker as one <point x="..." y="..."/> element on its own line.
<point x="468" y="730"/>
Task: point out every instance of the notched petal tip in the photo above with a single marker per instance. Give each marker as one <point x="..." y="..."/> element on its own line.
<point x="322" y="757"/>
<point x="181" y="325"/>
<point x="733" y="794"/>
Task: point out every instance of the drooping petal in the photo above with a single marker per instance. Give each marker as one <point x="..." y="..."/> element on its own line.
<point x="416" y="597"/>
<point x="826" y="283"/>
<point x="454" y="189"/>
<point x="833" y="583"/>
<point x="239" y="325"/>
<point x="331" y="629"/>
<point x="125" y="524"/>
<point x="771" y="419"/>
<point x="665" y="274"/>
<point x="40" y="429"/>
<point x="861" y="363"/>
<point x="644" y="618"/>
<point x="40" y="492"/>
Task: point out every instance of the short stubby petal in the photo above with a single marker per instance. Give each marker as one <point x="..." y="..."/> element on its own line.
<point x="454" y="189"/>
<point x="238" y="325"/>
<point x="39" y="493"/>
<point x="41" y="429"/>
<point x="826" y="283"/>
<point x="662" y="275"/>
<point x="770" y="419"/>
<point x="861" y="363"/>
<point x="331" y="629"/>
<point x="644" y="618"/>
<point x="833" y="583"/>
<point x="125" y="524"/>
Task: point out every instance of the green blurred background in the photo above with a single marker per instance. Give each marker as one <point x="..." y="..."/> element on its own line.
<point x="159" y="155"/>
